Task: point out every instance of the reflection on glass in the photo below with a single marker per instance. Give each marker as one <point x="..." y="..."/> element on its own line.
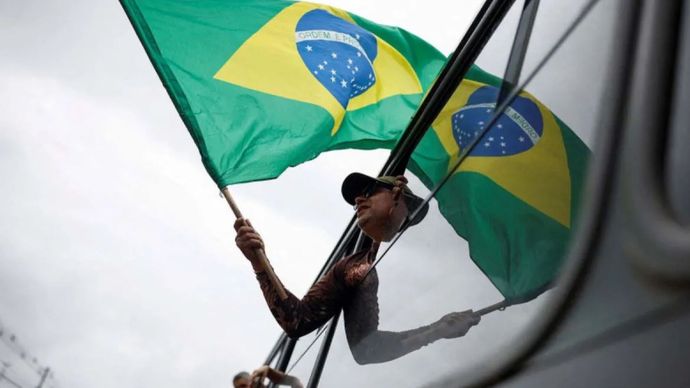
<point x="552" y="21"/>
<point x="573" y="79"/>
<point x="507" y="179"/>
<point x="382" y="207"/>
<point x="495" y="54"/>
<point x="509" y="188"/>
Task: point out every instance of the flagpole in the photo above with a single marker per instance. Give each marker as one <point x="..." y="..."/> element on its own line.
<point x="263" y="261"/>
<point x="496" y="306"/>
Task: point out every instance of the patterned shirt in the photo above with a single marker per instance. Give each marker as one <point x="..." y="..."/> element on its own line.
<point x="345" y="286"/>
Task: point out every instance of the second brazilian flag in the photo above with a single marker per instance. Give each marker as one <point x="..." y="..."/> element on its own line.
<point x="263" y="86"/>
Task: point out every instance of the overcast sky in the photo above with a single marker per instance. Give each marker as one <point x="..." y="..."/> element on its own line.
<point x="117" y="261"/>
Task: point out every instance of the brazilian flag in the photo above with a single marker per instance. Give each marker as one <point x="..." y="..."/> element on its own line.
<point x="514" y="196"/>
<point x="265" y="85"/>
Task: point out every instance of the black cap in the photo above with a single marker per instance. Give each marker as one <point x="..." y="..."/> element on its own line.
<point x="355" y="184"/>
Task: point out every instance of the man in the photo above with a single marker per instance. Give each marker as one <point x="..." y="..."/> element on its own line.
<point x="383" y="206"/>
<point x="244" y="380"/>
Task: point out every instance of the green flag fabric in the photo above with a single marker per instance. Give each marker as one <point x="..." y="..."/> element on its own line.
<point x="514" y="196"/>
<point x="270" y="84"/>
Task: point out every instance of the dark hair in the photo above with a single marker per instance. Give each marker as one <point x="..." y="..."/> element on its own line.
<point x="240" y="375"/>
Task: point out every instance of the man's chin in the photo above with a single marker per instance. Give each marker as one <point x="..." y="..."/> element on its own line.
<point x="363" y="223"/>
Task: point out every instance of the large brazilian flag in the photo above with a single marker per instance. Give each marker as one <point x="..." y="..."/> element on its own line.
<point x="514" y="195"/>
<point x="265" y="85"/>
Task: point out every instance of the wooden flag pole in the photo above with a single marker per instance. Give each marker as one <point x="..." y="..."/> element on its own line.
<point x="496" y="306"/>
<point x="263" y="261"/>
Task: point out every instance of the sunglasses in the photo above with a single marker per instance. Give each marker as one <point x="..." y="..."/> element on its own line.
<point x="373" y="188"/>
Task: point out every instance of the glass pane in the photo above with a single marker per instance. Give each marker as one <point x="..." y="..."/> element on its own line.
<point x="513" y="191"/>
<point x="494" y="55"/>
<point x="553" y="19"/>
<point x="423" y="276"/>
<point x="572" y="82"/>
<point x="571" y="85"/>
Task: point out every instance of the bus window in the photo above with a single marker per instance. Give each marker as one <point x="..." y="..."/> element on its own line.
<point x="505" y="163"/>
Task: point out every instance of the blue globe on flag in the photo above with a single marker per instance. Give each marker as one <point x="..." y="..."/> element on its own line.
<point x="518" y="128"/>
<point x="338" y="53"/>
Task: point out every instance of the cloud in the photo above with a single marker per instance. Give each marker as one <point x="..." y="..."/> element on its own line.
<point x="117" y="253"/>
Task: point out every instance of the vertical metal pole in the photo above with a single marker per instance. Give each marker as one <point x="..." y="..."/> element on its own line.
<point x="285" y="355"/>
<point x="519" y="50"/>
<point x="323" y="353"/>
<point x="276" y="349"/>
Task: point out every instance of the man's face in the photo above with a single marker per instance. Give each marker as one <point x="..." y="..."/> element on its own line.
<point x="242" y="382"/>
<point x="377" y="215"/>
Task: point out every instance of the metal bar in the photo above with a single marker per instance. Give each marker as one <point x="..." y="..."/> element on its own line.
<point x="600" y="182"/>
<point x="276" y="348"/>
<point x="448" y="80"/>
<point x="518" y="50"/>
<point x="284" y="359"/>
<point x="323" y="353"/>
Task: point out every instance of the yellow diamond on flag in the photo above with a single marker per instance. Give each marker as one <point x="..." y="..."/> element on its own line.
<point x="319" y="55"/>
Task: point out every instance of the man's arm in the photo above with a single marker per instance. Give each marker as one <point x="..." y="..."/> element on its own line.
<point x="297" y="317"/>
<point x="370" y="345"/>
<point x="381" y="346"/>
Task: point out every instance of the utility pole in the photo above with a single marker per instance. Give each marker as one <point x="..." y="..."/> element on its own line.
<point x="43" y="377"/>
<point x="2" y="374"/>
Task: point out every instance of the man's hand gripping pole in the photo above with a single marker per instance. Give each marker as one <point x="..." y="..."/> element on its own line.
<point x="263" y="261"/>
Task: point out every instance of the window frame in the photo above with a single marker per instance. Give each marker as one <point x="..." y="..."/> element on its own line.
<point x="598" y="184"/>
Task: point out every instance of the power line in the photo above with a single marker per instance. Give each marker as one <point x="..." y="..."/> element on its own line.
<point x="3" y="375"/>
<point x="10" y="339"/>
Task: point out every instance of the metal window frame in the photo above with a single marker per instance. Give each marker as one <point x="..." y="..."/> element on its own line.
<point x="662" y="241"/>
<point x="511" y="77"/>
<point x="601" y="178"/>
<point x="472" y="43"/>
